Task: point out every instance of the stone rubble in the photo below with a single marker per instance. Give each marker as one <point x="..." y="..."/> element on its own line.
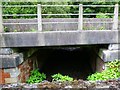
<point x="110" y="84"/>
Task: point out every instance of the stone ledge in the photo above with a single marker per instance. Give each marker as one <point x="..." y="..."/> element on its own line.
<point x="10" y="61"/>
<point x="114" y="47"/>
<point x="6" y="51"/>
<point x="109" y="55"/>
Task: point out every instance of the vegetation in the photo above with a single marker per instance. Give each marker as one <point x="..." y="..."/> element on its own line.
<point x="60" y="77"/>
<point x="33" y="10"/>
<point x="56" y="10"/>
<point x="112" y="72"/>
<point x="102" y="15"/>
<point x="36" y="77"/>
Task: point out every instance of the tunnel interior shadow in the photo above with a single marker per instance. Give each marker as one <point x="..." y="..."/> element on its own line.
<point x="75" y="62"/>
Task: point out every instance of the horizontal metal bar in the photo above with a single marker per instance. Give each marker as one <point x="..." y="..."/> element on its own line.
<point x="19" y="15"/>
<point x="98" y="5"/>
<point x="77" y="14"/>
<point x="17" y="23"/>
<point x="53" y="23"/>
<point x="58" y="5"/>
<point x="54" y="14"/>
<point x="98" y="13"/>
<point x="57" y="14"/>
<point x="18" y="6"/>
<point x="97" y="22"/>
<point x="78" y="5"/>
<point x="57" y="22"/>
<point x="73" y="22"/>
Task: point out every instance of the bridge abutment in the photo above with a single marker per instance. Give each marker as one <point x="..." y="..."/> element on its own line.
<point x="107" y="55"/>
<point x="14" y="67"/>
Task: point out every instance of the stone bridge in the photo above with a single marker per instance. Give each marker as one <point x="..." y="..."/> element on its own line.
<point x="24" y="37"/>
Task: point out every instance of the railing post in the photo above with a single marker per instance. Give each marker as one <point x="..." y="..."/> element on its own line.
<point x="1" y="19"/>
<point x="80" y="19"/>
<point x="39" y="15"/>
<point x="115" y="18"/>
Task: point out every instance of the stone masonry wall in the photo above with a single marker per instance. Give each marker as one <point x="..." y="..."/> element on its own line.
<point x="17" y="74"/>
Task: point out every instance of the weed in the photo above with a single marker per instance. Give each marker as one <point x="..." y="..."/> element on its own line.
<point x="112" y="72"/>
<point x="36" y="77"/>
<point x="60" y="77"/>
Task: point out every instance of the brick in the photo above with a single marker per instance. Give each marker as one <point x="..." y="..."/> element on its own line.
<point x="2" y="80"/>
<point x="11" y="80"/>
<point x="1" y="76"/>
<point x="1" y="71"/>
<point x="6" y="75"/>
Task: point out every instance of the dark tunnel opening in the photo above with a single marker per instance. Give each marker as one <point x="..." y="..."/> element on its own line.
<point x="74" y="62"/>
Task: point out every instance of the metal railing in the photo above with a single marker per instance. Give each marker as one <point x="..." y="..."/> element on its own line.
<point x="80" y="15"/>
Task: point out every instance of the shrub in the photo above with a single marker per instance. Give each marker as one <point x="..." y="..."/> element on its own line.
<point x="112" y="72"/>
<point x="36" y="77"/>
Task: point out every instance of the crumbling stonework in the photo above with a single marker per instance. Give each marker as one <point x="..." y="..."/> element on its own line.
<point x="14" y="67"/>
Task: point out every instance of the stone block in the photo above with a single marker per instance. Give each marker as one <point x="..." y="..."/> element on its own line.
<point x="11" y="80"/>
<point x="114" y="47"/>
<point x="109" y="55"/>
<point x="14" y="72"/>
<point x="11" y="61"/>
<point x="6" y="51"/>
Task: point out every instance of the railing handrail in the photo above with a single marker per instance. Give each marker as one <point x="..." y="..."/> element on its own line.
<point x="58" y="5"/>
<point x="55" y="14"/>
<point x="75" y="14"/>
<point x="39" y="14"/>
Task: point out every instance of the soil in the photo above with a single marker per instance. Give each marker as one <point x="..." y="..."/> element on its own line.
<point x="76" y="84"/>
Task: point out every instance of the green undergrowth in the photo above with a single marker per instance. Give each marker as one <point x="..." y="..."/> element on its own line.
<point x="60" y="77"/>
<point x="36" y="77"/>
<point x="112" y="72"/>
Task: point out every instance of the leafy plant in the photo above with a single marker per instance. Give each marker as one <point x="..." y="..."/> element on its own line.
<point x="102" y="15"/>
<point x="15" y="30"/>
<point x="112" y="72"/>
<point x="32" y="30"/>
<point x="36" y="77"/>
<point x="6" y="29"/>
<point x="60" y="77"/>
<point x="102" y="28"/>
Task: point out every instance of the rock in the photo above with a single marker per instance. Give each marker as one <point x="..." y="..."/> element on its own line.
<point x="68" y="86"/>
